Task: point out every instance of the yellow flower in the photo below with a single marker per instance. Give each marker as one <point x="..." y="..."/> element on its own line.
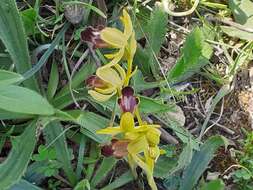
<point x="143" y="141"/>
<point x="108" y="82"/>
<point x="123" y="41"/>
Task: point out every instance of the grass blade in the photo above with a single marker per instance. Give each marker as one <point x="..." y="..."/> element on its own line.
<point x="53" y="81"/>
<point x="43" y="59"/>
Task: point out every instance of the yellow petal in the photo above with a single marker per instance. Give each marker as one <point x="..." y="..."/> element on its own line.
<point x="132" y="165"/>
<point x="137" y="146"/>
<point x="117" y="57"/>
<point x="121" y="71"/>
<point x="154" y="152"/>
<point x="128" y="27"/>
<point x="132" y="135"/>
<point x="127" y="122"/>
<point x="110" y="55"/>
<point x="110" y="131"/>
<point x="113" y="37"/>
<point x="132" y="46"/>
<point x="108" y="90"/>
<point x="147" y="170"/>
<point x="100" y="97"/>
<point x="109" y="75"/>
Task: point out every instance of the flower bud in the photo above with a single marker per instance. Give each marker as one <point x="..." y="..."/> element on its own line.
<point x="154" y="152"/>
<point x="153" y="136"/>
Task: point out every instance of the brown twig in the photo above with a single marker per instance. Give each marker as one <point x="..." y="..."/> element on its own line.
<point x="168" y="138"/>
<point x="230" y="23"/>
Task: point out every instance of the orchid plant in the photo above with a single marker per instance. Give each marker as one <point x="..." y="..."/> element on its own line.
<point x="136" y="141"/>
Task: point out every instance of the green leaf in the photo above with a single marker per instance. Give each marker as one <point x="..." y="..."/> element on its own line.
<point x="24" y="185"/>
<point x="53" y="81"/>
<point x="13" y="36"/>
<point x="65" y="100"/>
<point x="145" y="104"/>
<point x="214" y="185"/>
<point x="56" y="137"/>
<point x="7" y="115"/>
<point x="141" y="57"/>
<point x="140" y="84"/>
<point x="200" y="162"/>
<point x="32" y="173"/>
<point x="8" y="77"/>
<point x="29" y="17"/>
<point x="90" y="123"/>
<point x="163" y="166"/>
<point x="195" y="54"/>
<point x="183" y="134"/>
<point x="236" y="33"/>
<point x="22" y="100"/>
<point x="120" y="181"/>
<point x="156" y="105"/>
<point x="83" y="185"/>
<point x="105" y="167"/>
<point x="242" y="11"/>
<point x="223" y="91"/>
<point x="184" y="158"/>
<point x="13" y="168"/>
<point x="156" y="31"/>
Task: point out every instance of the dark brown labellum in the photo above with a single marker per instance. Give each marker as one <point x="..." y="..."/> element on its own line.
<point x="128" y="101"/>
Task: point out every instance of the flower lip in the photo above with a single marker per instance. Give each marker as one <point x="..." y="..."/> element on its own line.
<point x="107" y="150"/>
<point x="95" y="82"/>
<point x="117" y="149"/>
<point x="128" y="101"/>
<point x="92" y="36"/>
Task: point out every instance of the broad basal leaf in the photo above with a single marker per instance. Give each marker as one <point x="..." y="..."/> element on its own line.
<point x="13" y="36"/>
<point x="8" y="77"/>
<point x="22" y="100"/>
<point x="13" y="168"/>
<point x="200" y="162"/>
